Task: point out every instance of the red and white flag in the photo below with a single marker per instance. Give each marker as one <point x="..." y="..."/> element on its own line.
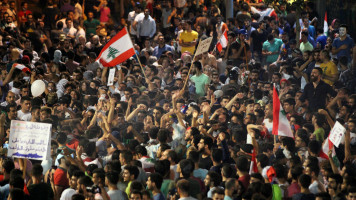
<point x="326" y="27"/>
<point x="222" y="43"/>
<point x="21" y="67"/>
<point x="117" y="50"/>
<point x="281" y="125"/>
<point x="327" y="146"/>
<point x="253" y="166"/>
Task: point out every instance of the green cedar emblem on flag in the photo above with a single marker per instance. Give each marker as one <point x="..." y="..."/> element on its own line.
<point x="112" y="53"/>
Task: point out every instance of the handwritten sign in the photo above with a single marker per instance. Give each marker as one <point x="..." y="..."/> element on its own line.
<point x="203" y="46"/>
<point x="337" y="133"/>
<point x="111" y="76"/>
<point x="29" y="140"/>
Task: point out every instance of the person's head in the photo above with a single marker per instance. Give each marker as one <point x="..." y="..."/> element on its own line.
<point x="304" y="36"/>
<point x="154" y="181"/>
<point x="351" y="193"/>
<point x="205" y="144"/>
<point x="130" y="173"/>
<point x="98" y="176"/>
<point x="111" y="178"/>
<point x="304" y="181"/>
<point x="135" y="195"/>
<point x="276" y="77"/>
<point x="242" y="164"/>
<point x="316" y="74"/>
<point x="212" y="179"/>
<point x="312" y="170"/>
<point x="11" y="110"/>
<point x="301" y="139"/>
<point x="73" y="181"/>
<point x="183" y="187"/>
<point x="25" y="104"/>
<point x="295" y="172"/>
<point x="185" y="168"/>
<point x="83" y="183"/>
<point x="218" y="194"/>
<point x="7" y="165"/>
<point x="343" y="30"/>
<point x="37" y="172"/>
<point x="288" y="105"/>
<point x="10" y="97"/>
<point x="125" y="157"/>
<point x="334" y="183"/>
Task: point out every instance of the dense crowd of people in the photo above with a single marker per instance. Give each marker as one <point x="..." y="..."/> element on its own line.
<point x="178" y="128"/>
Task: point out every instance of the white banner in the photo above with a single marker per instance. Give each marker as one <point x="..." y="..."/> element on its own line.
<point x="337" y="133"/>
<point x="30" y="140"/>
<point x="111" y="76"/>
<point x="203" y="46"/>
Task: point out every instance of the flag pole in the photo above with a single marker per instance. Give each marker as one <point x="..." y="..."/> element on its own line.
<point x="138" y="58"/>
<point x="191" y="65"/>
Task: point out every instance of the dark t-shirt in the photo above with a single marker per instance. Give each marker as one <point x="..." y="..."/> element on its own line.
<point x="302" y="196"/>
<point x="205" y="163"/>
<point x="40" y="191"/>
<point x="4" y="182"/>
<point x="258" y="40"/>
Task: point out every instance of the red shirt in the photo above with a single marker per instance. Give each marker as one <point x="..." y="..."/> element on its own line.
<point x="245" y="180"/>
<point x="60" y="177"/>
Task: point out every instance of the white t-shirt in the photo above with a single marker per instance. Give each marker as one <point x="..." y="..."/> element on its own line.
<point x="24" y="116"/>
<point x="67" y="194"/>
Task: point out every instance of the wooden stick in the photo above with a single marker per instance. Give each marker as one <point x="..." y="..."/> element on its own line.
<point x="191" y="65"/>
<point x="138" y="58"/>
<point x="24" y="168"/>
<point x="186" y="80"/>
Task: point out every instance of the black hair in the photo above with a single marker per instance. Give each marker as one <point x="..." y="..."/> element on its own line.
<point x="157" y="179"/>
<point x="187" y="167"/>
<point x="215" y="178"/>
<point x="37" y="170"/>
<point x="133" y="170"/>
<point x="112" y="177"/>
<point x="304" y="180"/>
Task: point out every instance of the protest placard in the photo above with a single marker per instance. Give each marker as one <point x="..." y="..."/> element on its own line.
<point x="29" y="140"/>
<point x="203" y="46"/>
<point x="337" y="133"/>
<point x="111" y="76"/>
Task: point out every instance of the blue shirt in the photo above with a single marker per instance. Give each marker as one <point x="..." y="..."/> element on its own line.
<point x="321" y="40"/>
<point x="158" y="51"/>
<point x="159" y="197"/>
<point x="345" y="52"/>
<point x="312" y="41"/>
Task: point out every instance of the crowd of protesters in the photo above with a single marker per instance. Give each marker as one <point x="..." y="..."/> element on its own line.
<point x="178" y="128"/>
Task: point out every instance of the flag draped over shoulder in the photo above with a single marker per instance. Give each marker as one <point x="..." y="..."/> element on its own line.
<point x="117" y="50"/>
<point x="222" y="43"/>
<point x="281" y="125"/>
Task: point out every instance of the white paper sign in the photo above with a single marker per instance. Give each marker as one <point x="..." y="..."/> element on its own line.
<point x="337" y="133"/>
<point x="29" y="140"/>
<point x="111" y="76"/>
<point x="203" y="46"/>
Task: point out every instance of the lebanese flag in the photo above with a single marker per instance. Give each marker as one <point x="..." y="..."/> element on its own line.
<point x="281" y="125"/>
<point x="222" y="42"/>
<point x="327" y="146"/>
<point x="117" y="50"/>
<point x="253" y="165"/>
<point x="21" y="67"/>
<point x="326" y="27"/>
